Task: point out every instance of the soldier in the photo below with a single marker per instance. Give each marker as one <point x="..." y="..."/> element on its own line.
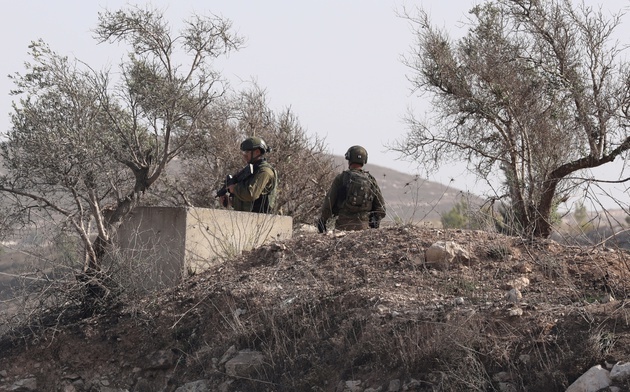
<point x="257" y="192"/>
<point x="354" y="196"/>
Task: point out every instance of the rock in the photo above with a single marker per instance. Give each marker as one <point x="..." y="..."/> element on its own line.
<point x="25" y="385"/>
<point x="514" y="296"/>
<point x="620" y="372"/>
<point x="524" y="358"/>
<point x="394" y="386"/>
<point x="593" y="380"/>
<point x="68" y="387"/>
<point x="306" y="228"/>
<point x="515" y="312"/>
<point x="227" y="355"/>
<point x="163" y="359"/>
<point x="353" y="386"/>
<point x="195" y="386"/>
<point x="518" y="283"/>
<point x="523" y="268"/>
<point x="507" y="387"/>
<point x="441" y="254"/>
<point x="245" y="364"/>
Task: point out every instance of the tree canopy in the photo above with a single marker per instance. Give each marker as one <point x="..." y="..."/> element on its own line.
<point x="84" y="145"/>
<point x="87" y="146"/>
<point x="536" y="90"/>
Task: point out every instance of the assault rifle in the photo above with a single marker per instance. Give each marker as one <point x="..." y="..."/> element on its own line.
<point x="238" y="177"/>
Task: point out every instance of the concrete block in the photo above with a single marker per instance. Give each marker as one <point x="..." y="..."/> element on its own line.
<point x="178" y="241"/>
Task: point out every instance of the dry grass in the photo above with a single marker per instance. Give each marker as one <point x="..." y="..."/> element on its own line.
<point x="363" y="306"/>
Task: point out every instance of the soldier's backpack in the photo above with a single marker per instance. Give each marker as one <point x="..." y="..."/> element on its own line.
<point x="357" y="187"/>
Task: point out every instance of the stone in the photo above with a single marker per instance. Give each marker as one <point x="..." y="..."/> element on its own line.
<point x="515" y="312"/>
<point x="518" y="283"/>
<point x="68" y="387"/>
<point x="227" y="355"/>
<point x="163" y="359"/>
<point x="195" y="386"/>
<point x="353" y="386"/>
<point x="442" y="254"/>
<point x="594" y="379"/>
<point x="394" y="386"/>
<point x="25" y="385"/>
<point x="245" y="364"/>
<point x="507" y="387"/>
<point x="620" y="372"/>
<point x="523" y="268"/>
<point x="514" y="296"/>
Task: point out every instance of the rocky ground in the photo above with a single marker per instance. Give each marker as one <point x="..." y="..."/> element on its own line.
<point x="357" y="311"/>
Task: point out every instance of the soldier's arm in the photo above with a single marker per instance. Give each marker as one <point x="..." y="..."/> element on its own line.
<point x="252" y="188"/>
<point x="331" y="198"/>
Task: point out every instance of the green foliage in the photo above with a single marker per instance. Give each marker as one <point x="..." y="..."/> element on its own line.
<point x="582" y="219"/>
<point x="580" y="214"/>
<point x="457" y="217"/>
<point x="463" y="216"/>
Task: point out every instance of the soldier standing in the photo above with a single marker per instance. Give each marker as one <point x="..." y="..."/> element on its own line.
<point x="354" y="196"/>
<point x="257" y="192"/>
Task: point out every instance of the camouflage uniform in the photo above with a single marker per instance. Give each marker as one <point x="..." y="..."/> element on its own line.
<point x="334" y="201"/>
<point x="257" y="193"/>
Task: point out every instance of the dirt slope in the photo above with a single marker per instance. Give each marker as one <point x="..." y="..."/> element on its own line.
<point x="351" y="311"/>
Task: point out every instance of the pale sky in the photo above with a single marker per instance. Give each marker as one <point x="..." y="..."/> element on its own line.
<point x="336" y="63"/>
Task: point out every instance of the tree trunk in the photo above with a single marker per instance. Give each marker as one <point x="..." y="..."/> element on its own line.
<point x="541" y="223"/>
<point x="100" y="287"/>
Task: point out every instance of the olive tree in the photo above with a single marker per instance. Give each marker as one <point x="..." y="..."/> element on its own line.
<point x="86" y="145"/>
<point x="535" y="91"/>
<point x="305" y="169"/>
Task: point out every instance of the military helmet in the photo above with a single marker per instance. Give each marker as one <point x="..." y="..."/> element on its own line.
<point x="255" y="143"/>
<point x="357" y="154"/>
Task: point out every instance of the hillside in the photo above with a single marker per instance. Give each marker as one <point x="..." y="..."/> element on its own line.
<point x="358" y="311"/>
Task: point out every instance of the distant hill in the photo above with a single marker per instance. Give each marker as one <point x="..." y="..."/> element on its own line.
<point x="409" y="197"/>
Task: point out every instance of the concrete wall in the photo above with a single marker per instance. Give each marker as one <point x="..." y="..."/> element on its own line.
<point x="152" y="240"/>
<point x="175" y="242"/>
<point x="213" y="235"/>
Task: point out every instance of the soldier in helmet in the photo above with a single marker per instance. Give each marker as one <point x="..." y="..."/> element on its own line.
<point x="257" y="192"/>
<point x="354" y="197"/>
